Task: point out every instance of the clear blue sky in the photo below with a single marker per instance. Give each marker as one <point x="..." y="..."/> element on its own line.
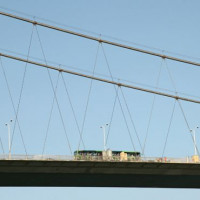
<point x="163" y="26"/>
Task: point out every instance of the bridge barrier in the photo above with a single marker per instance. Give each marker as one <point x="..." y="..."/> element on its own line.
<point x="99" y="158"/>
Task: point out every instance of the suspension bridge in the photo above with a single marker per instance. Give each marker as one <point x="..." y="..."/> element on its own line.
<point x="95" y="169"/>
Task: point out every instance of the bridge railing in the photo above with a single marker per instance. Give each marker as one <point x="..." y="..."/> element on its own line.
<point x="100" y="158"/>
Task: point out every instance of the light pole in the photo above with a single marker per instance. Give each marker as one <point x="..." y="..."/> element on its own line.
<point x="104" y="135"/>
<point x="9" y="131"/>
<point x="193" y="132"/>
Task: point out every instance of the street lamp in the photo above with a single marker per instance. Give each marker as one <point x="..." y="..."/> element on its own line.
<point x="193" y="132"/>
<point x="9" y="131"/>
<point x="104" y="135"/>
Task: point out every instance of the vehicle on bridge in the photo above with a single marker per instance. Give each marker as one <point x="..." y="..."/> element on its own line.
<point x="108" y="155"/>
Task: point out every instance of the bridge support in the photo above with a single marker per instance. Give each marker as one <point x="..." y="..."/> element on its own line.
<point x="98" y="174"/>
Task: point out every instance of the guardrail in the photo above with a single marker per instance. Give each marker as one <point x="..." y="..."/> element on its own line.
<point x="193" y="159"/>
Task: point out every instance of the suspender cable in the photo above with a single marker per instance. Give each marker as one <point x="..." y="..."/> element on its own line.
<point x="117" y="96"/>
<point x="9" y="92"/>
<point x="151" y="111"/>
<point x="169" y="127"/>
<point x="131" y="118"/>
<point x="52" y="86"/>
<point x="186" y="121"/>
<point x="112" y="114"/>
<point x="100" y="79"/>
<point x="99" y="40"/>
<point x="88" y="99"/>
<point x="72" y="108"/>
<point x="20" y="97"/>
<point x="51" y="111"/>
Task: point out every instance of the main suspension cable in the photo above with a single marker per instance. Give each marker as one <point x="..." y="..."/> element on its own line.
<point x="100" y="40"/>
<point x="99" y="74"/>
<point x="100" y="79"/>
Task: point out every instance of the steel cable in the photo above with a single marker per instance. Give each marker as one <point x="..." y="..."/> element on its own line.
<point x="152" y="53"/>
<point x="51" y="111"/>
<point x="131" y="118"/>
<point x="101" y="79"/>
<point x="118" y="99"/>
<point x="70" y="102"/>
<point x="59" y="110"/>
<point x="93" y="33"/>
<point x="186" y="121"/>
<point x="20" y="96"/>
<point x="170" y="122"/>
<point x="151" y="111"/>
<point x="2" y="146"/>
<point x="112" y="114"/>
<point x="88" y="98"/>
<point x="99" y="74"/>
<point x="9" y="91"/>
<point x="184" y="116"/>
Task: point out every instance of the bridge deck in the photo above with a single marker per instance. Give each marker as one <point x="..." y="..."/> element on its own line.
<point x="99" y="174"/>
